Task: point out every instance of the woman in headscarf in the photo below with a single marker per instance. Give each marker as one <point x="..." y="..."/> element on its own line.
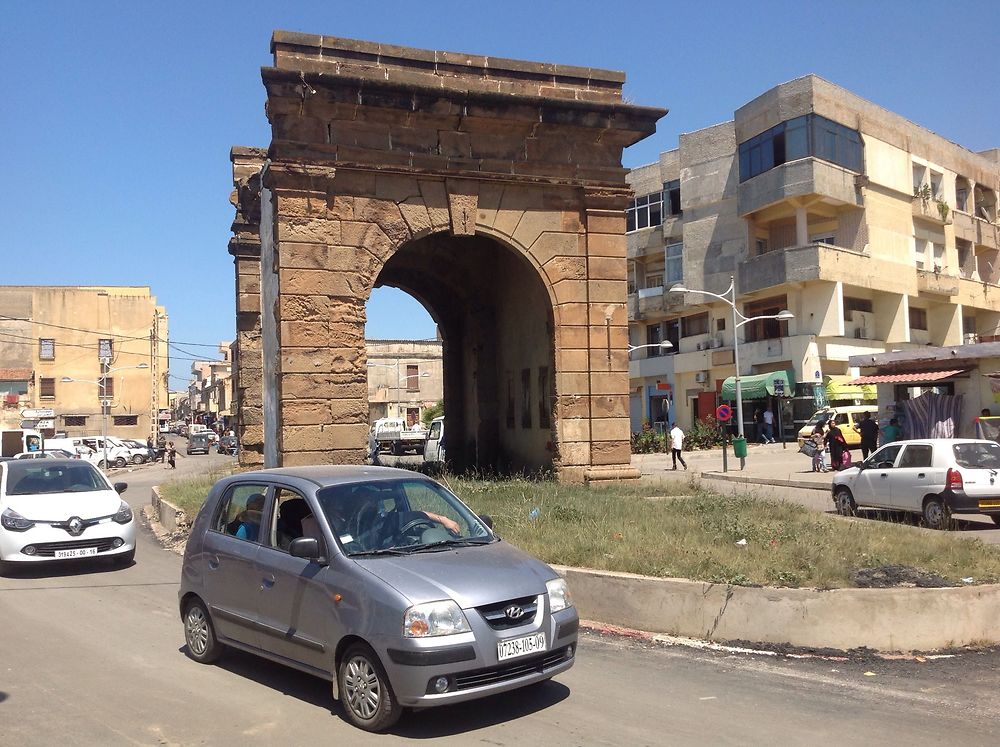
<point x="837" y="443"/>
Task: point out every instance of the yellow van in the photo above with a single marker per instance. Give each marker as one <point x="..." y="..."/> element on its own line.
<point x="845" y="417"/>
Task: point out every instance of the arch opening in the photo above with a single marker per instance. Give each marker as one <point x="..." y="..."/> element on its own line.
<point x="496" y="324"/>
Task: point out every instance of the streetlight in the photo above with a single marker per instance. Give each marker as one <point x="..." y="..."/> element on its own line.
<point x="662" y="346"/>
<point x="105" y="404"/>
<point x="738" y="321"/>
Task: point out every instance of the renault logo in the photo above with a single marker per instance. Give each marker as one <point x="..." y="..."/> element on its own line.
<point x="75" y="525"/>
<point x="514" y="612"/>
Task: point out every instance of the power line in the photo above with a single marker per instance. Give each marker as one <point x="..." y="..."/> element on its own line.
<point x="33" y="343"/>
<point x="95" y="332"/>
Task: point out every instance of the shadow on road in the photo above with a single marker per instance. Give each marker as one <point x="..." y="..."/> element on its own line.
<point x="431" y="723"/>
<point x="3" y="696"/>
<point x="62" y="569"/>
<point x="915" y="520"/>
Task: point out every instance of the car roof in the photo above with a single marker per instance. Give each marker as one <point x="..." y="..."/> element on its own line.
<point x="325" y="475"/>
<point x="944" y="441"/>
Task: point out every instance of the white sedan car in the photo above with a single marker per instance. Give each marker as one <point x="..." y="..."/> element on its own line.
<point x="58" y="509"/>
<point x="935" y="477"/>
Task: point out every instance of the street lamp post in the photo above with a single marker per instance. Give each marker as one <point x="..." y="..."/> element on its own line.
<point x="662" y="346"/>
<point x="105" y="402"/>
<point x="729" y="297"/>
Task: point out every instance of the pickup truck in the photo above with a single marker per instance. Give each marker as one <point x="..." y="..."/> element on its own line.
<point x="393" y="436"/>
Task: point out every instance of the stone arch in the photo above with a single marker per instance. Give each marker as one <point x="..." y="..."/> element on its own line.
<point x="376" y="150"/>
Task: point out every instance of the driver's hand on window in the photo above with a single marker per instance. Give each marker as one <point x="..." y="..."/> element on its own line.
<point x="450" y="524"/>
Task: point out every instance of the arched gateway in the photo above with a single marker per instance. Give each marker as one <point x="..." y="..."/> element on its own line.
<point x="492" y="190"/>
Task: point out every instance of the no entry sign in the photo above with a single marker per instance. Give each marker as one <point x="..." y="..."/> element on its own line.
<point x="723" y="412"/>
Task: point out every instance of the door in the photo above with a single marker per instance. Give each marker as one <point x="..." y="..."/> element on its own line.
<point x="434" y="448"/>
<point x="295" y="612"/>
<point x="872" y="485"/>
<point x="914" y="477"/>
<point x="231" y="580"/>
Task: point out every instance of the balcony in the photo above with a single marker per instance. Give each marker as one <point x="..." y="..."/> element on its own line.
<point x="656" y="366"/>
<point x="936" y="284"/>
<point x="932" y="211"/>
<point x="809" y="262"/>
<point x="806" y="176"/>
<point x="651" y="300"/>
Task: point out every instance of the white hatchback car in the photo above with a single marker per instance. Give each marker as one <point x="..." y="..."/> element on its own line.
<point x="932" y="477"/>
<point x="57" y="509"/>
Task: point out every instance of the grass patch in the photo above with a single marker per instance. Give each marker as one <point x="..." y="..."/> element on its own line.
<point x="695" y="535"/>
<point x="189" y="494"/>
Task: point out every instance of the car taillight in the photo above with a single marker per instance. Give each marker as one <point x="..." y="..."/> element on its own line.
<point x="954" y="479"/>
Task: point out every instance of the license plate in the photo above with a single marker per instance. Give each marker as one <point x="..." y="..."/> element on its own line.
<point x="81" y="552"/>
<point x="515" y="647"/>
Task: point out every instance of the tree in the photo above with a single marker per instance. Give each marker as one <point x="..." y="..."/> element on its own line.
<point x="434" y="411"/>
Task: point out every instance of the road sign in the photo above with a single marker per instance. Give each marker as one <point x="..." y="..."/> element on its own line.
<point x="38" y="412"/>
<point x="45" y="424"/>
<point x="779" y="387"/>
<point x="723" y="412"/>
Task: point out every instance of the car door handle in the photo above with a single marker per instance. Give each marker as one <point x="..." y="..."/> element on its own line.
<point x="921" y="474"/>
<point x="266" y="583"/>
<point x="883" y="475"/>
<point x="213" y="562"/>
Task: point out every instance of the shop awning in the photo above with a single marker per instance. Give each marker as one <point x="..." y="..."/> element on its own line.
<point x="759" y="386"/>
<point x="843" y="387"/>
<point x="918" y="377"/>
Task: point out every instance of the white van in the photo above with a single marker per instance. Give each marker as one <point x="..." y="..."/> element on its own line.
<point x="19" y="440"/>
<point x="74" y="445"/>
<point x="434" y="446"/>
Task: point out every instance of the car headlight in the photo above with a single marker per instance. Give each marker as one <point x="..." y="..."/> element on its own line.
<point x="124" y="515"/>
<point x="12" y="520"/>
<point x="559" y="596"/>
<point x="434" y="619"/>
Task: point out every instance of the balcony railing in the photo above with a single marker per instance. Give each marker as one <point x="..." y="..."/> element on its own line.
<point x="937" y="283"/>
<point x="931" y="210"/>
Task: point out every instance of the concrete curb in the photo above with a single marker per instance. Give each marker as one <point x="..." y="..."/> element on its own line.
<point x="803" y="484"/>
<point x="907" y="619"/>
<point x="167" y="514"/>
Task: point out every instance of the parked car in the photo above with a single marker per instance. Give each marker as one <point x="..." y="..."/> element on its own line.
<point x="380" y="580"/>
<point x="228" y="445"/>
<point x="118" y="454"/>
<point x="198" y="443"/>
<point x="932" y="477"/>
<point x="75" y="445"/>
<point x="58" y="509"/>
<point x="47" y="454"/>
<point x="139" y="453"/>
<point x="845" y="417"/>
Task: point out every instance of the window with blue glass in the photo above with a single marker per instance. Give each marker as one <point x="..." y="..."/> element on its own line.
<point x="809" y="135"/>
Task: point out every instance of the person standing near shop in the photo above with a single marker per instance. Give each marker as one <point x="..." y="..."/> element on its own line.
<point x="768" y="433"/>
<point x="891" y="432"/>
<point x="868" y="429"/>
<point x="677" y="445"/>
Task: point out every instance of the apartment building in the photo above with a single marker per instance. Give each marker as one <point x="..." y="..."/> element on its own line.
<point x="404" y="378"/>
<point x="874" y="232"/>
<point x="71" y="357"/>
<point x="210" y="393"/>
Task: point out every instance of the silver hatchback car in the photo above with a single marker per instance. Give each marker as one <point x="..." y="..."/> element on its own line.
<point x="380" y="580"/>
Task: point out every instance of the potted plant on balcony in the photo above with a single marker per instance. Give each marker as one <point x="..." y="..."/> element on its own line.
<point x="943" y="210"/>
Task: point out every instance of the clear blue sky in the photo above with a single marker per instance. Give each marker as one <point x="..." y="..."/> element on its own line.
<point x="117" y="117"/>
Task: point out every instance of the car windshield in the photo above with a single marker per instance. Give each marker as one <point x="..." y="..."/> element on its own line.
<point x="820" y="417"/>
<point x="977" y="455"/>
<point x="38" y="477"/>
<point x="399" y="516"/>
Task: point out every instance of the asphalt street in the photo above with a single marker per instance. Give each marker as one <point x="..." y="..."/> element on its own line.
<point x="95" y="656"/>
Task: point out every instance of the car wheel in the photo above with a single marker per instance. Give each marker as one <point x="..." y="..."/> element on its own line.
<point x="101" y="464"/>
<point x="845" y="502"/>
<point x="937" y="515"/>
<point x="121" y="462"/>
<point x="138" y="459"/>
<point x="397" y="449"/>
<point x="365" y="693"/>
<point x="199" y="634"/>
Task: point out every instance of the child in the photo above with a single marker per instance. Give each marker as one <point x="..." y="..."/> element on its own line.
<point x="819" y="456"/>
<point x="172" y="455"/>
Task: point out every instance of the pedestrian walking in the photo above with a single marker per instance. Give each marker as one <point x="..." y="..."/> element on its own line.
<point x="171" y="455"/>
<point x="768" y="434"/>
<point x="819" y="441"/>
<point x="677" y="445"/>
<point x="837" y="443"/>
<point x="161" y="447"/>
<point x="868" y="429"/>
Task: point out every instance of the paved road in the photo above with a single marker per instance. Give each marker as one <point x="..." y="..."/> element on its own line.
<point x="94" y="656"/>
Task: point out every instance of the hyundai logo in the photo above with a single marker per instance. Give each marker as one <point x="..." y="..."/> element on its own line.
<point x="75" y="525"/>
<point x="514" y="612"/>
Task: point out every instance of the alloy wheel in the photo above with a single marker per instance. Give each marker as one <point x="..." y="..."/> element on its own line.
<point x="196" y="630"/>
<point x="363" y="689"/>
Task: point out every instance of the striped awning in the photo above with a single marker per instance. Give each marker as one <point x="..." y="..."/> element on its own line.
<point x="918" y="377"/>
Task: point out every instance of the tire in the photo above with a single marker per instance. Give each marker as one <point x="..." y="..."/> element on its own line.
<point x="844" y="502"/>
<point x="937" y="515"/>
<point x="121" y="462"/>
<point x="397" y="449"/>
<point x="199" y="634"/>
<point x="101" y="464"/>
<point x="138" y="459"/>
<point x="366" y="696"/>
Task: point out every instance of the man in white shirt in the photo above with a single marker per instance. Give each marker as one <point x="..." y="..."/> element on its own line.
<point x="677" y="445"/>
<point x="768" y="426"/>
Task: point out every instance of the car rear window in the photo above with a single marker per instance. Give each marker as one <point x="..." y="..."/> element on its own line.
<point x="977" y="455"/>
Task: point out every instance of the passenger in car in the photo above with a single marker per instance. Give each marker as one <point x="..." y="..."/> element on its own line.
<point x="250" y="518"/>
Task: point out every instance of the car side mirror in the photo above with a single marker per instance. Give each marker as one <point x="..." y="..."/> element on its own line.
<point x="486" y="519"/>
<point x="305" y="547"/>
<point x="121" y="487"/>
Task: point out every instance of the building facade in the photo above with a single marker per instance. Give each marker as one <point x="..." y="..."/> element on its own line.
<point x="72" y="356"/>
<point x="210" y="393"/>
<point x="405" y="377"/>
<point x="876" y="233"/>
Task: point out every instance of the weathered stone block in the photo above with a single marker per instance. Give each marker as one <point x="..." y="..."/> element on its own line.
<point x="610" y="429"/>
<point x="308" y="230"/>
<point x="305" y="360"/>
<point x="572" y="406"/>
<point x="570" y="291"/>
<point x="552" y="244"/>
<point x="611" y="452"/>
<point x="572" y="383"/>
<point x="572" y="360"/>
<point x="610" y="406"/>
<point x="323" y="437"/>
<point x="305" y="308"/>
<point x="305" y="412"/>
<point x="574" y="429"/>
<point x="574" y="453"/>
<point x="305" y="334"/>
<point x="607" y="268"/>
<point x="303" y="256"/>
<point x="609" y="383"/>
<point x="572" y="337"/>
<point x="606" y="245"/>
<point x="608" y="291"/>
<point x="565" y="268"/>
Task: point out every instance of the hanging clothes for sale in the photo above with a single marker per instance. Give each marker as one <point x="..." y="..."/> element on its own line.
<point x="932" y="416"/>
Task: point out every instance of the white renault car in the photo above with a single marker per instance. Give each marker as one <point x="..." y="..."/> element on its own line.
<point x="60" y="509"/>
<point x="935" y="477"/>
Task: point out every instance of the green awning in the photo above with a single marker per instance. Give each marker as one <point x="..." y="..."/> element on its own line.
<point x="759" y="386"/>
<point x="841" y="388"/>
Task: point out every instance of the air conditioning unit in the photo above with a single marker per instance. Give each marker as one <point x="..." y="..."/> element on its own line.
<point x="701" y="377"/>
<point x="701" y="345"/>
<point x="864" y="324"/>
<point x="716" y="342"/>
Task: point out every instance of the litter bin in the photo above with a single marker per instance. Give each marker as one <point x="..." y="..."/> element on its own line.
<point x="740" y="447"/>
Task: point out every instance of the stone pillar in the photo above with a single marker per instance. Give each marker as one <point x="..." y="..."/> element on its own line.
<point x="801" y="226"/>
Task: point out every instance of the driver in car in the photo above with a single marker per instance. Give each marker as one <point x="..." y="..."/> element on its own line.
<point x="359" y="516"/>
